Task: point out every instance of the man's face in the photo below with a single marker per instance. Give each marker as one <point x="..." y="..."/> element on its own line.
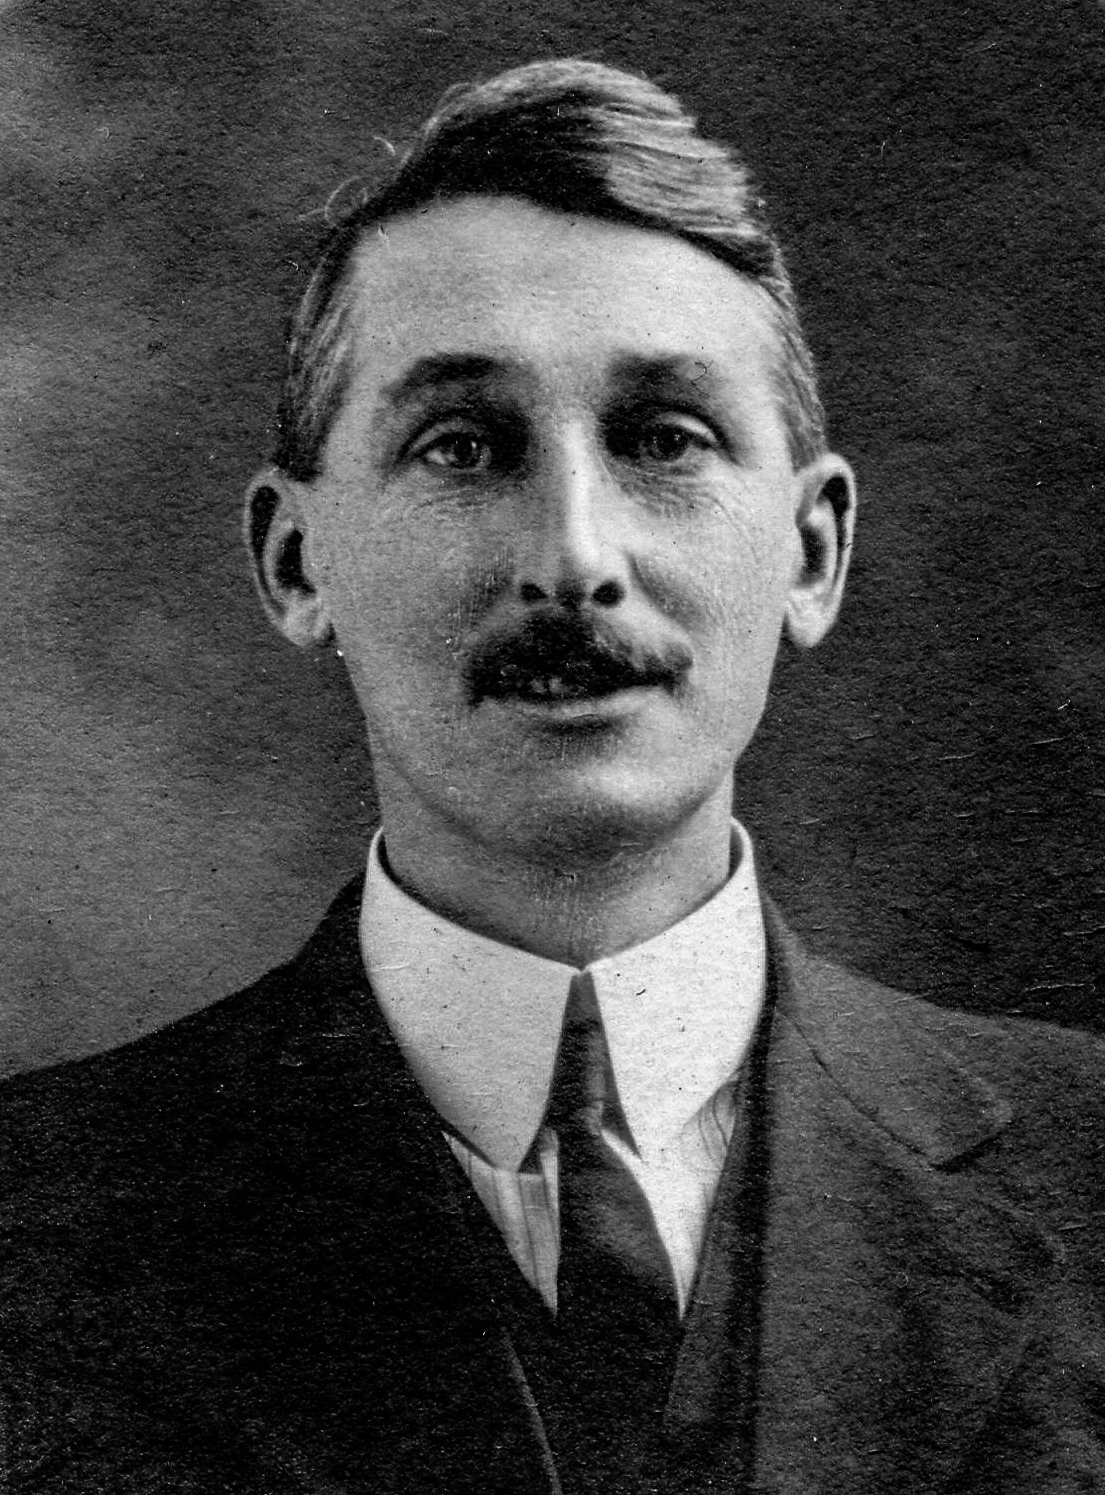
<point x="557" y="528"/>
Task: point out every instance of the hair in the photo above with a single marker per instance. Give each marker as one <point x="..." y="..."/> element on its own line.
<point x="577" y="137"/>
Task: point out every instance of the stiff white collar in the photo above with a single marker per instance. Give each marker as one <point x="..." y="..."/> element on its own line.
<point x="479" y="1022"/>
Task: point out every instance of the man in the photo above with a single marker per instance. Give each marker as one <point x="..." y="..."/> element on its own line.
<point x="553" y="1162"/>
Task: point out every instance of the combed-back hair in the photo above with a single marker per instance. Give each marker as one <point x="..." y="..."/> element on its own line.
<point x="577" y="137"/>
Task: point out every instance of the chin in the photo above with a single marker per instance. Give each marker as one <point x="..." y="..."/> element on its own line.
<point x="588" y="817"/>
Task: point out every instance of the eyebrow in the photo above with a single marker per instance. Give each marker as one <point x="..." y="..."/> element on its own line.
<point x="438" y="369"/>
<point x="665" y="372"/>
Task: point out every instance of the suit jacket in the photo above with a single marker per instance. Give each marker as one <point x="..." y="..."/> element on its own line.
<point x="240" y="1261"/>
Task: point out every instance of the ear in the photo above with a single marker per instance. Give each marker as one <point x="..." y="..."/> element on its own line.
<point x="825" y="519"/>
<point x="275" y="535"/>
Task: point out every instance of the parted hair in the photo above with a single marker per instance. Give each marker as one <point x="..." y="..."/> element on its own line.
<point x="576" y="137"/>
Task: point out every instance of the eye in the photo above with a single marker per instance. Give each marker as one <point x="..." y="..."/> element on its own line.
<point x="463" y="450"/>
<point x="667" y="440"/>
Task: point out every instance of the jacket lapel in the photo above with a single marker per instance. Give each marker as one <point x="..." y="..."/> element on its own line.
<point x="897" y="1283"/>
<point x="368" y="1353"/>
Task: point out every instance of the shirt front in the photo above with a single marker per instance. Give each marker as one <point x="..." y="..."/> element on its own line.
<point x="479" y="1023"/>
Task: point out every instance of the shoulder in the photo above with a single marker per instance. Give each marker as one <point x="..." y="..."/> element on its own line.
<point x="133" y="1104"/>
<point x="222" y="1042"/>
<point x="844" y="1009"/>
<point x="1022" y="1100"/>
<point x="1033" y="1064"/>
<point x="78" y="1135"/>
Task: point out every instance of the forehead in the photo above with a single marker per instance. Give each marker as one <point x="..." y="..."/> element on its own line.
<point x="551" y="299"/>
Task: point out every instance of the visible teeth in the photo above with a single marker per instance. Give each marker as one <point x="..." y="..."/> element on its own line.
<point x="546" y="687"/>
<point x="563" y="688"/>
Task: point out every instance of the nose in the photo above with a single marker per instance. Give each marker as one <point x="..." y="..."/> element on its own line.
<point x="568" y="546"/>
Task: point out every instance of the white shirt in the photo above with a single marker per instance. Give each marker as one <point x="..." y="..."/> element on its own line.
<point x="479" y="1023"/>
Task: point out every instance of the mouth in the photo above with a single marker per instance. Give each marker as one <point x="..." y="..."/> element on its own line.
<point x="554" y="704"/>
<point x="572" y="686"/>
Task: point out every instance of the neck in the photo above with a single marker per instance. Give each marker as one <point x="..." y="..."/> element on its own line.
<point x="570" y="909"/>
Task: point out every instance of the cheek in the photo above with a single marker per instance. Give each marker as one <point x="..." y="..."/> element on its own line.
<point x="401" y="590"/>
<point x="722" y="572"/>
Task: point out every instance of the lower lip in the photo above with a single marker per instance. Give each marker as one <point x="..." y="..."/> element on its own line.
<point x="582" y="711"/>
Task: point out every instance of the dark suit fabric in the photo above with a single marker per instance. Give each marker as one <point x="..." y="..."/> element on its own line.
<point x="239" y="1260"/>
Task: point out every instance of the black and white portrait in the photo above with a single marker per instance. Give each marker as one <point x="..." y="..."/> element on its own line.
<point x="555" y="712"/>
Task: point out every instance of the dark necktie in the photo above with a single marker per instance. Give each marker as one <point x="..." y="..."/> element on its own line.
<point x="610" y="1251"/>
<point x="617" y="1321"/>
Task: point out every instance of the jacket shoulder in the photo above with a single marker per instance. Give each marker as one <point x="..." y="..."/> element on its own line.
<point x="218" y="1044"/>
<point x="1025" y="1058"/>
<point x="1023" y="1099"/>
<point x="840" y="1006"/>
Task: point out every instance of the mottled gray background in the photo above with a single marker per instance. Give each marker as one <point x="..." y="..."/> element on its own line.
<point x="180" y="793"/>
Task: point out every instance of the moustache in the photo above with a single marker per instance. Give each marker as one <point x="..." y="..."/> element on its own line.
<point x="570" y="656"/>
